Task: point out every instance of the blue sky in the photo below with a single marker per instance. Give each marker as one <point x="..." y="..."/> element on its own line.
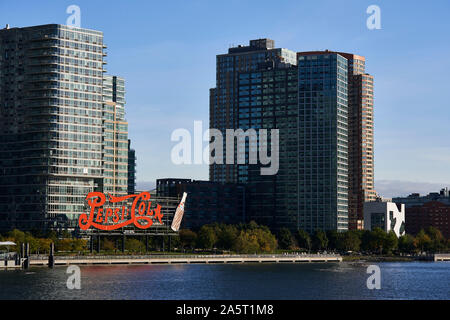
<point x="166" y="53"/>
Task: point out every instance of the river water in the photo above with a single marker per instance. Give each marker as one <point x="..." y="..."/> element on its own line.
<point x="402" y="280"/>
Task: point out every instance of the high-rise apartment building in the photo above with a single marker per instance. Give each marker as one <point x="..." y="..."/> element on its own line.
<point x="224" y="97"/>
<point x="115" y="143"/>
<point x="361" y="139"/>
<point x="323" y="141"/>
<point x="360" y="153"/>
<point x="322" y="104"/>
<point x="61" y="125"/>
<point x="268" y="100"/>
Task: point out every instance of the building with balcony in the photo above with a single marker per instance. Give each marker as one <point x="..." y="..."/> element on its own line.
<point x="62" y="127"/>
<point x="115" y="137"/>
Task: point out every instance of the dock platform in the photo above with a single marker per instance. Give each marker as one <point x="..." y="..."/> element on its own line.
<point x="442" y="257"/>
<point x="185" y="259"/>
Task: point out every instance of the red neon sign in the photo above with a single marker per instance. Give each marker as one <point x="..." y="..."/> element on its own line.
<point x="108" y="218"/>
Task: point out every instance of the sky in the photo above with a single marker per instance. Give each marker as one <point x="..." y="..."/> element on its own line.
<point x="166" y="51"/>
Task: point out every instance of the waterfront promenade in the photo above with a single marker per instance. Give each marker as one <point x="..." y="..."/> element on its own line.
<point x="442" y="257"/>
<point x="184" y="259"/>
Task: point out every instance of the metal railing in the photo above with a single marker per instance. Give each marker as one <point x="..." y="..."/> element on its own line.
<point x="8" y="256"/>
<point x="197" y="256"/>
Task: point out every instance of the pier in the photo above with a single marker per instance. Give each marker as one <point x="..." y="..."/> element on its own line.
<point x="436" y="257"/>
<point x="10" y="264"/>
<point x="11" y="260"/>
<point x="184" y="259"/>
<point x="442" y="257"/>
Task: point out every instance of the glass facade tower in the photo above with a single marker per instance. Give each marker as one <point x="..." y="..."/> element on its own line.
<point x="268" y="100"/>
<point x="224" y="97"/>
<point x="58" y="113"/>
<point x="322" y="104"/>
<point x="323" y="141"/>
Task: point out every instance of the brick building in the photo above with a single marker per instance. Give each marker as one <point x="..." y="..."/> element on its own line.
<point x="431" y="214"/>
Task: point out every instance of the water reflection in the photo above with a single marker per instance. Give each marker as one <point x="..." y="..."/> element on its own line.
<point x="406" y="280"/>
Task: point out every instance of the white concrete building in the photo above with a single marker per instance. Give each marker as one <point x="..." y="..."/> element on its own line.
<point x="385" y="215"/>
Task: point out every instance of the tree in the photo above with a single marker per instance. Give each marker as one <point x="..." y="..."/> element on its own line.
<point x="34" y="243"/>
<point x="349" y="241"/>
<point x="320" y="240"/>
<point x="422" y="241"/>
<point x="391" y="242"/>
<point x="406" y="244"/>
<point x="207" y="238"/>
<point x="134" y="245"/>
<point x="175" y="242"/>
<point x="226" y="236"/>
<point x="252" y="225"/>
<point x="285" y="238"/>
<point x="16" y="236"/>
<point x="266" y="240"/>
<point x="377" y="240"/>
<point x="255" y="240"/>
<point x="66" y="234"/>
<point x="52" y="235"/>
<point x="246" y="243"/>
<point x="438" y="241"/>
<point x="79" y="245"/>
<point x="187" y="238"/>
<point x="304" y="240"/>
<point x="43" y="245"/>
<point x="63" y="245"/>
<point x="334" y="239"/>
<point x="108" y="245"/>
<point x="366" y="238"/>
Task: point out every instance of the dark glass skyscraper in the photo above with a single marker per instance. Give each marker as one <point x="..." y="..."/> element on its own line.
<point x="323" y="141"/>
<point x="268" y="100"/>
<point x="307" y="100"/>
<point x="224" y="97"/>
